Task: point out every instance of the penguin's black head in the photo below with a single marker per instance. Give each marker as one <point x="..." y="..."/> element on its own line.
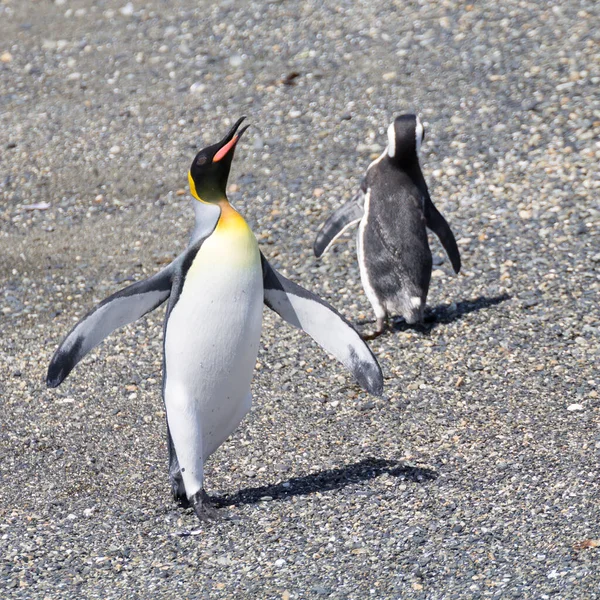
<point x="405" y="136"/>
<point x="210" y="170"/>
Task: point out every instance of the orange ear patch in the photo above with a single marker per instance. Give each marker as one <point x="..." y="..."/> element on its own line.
<point x="225" y="149"/>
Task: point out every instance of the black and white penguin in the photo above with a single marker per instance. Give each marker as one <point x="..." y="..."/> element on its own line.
<point x="393" y="209"/>
<point x="216" y="289"/>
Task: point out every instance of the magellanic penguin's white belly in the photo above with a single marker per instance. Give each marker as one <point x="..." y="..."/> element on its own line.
<point x="211" y="344"/>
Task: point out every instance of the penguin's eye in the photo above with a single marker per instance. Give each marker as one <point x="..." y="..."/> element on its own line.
<point x="201" y="160"/>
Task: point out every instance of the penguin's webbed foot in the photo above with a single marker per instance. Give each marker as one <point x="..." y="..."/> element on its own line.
<point x="430" y="317"/>
<point x="380" y="327"/>
<point x="178" y="490"/>
<point x="203" y="507"/>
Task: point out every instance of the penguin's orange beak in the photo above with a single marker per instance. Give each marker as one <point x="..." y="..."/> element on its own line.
<point x="229" y="141"/>
<point x="225" y="149"/>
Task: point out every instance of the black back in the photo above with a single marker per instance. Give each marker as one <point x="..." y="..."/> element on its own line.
<point x="395" y="246"/>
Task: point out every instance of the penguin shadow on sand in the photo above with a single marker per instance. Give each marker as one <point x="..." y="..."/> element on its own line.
<point x="443" y="314"/>
<point x="327" y="480"/>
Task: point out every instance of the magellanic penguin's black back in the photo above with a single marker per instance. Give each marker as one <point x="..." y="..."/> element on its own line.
<point x="393" y="208"/>
<point x="395" y="249"/>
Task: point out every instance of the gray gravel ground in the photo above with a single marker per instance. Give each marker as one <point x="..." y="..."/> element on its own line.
<point x="476" y="475"/>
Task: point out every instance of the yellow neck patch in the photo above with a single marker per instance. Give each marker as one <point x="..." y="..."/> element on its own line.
<point x="231" y="221"/>
<point x="193" y="186"/>
<point x="231" y="245"/>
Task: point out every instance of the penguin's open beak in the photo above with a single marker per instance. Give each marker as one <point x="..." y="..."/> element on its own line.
<point x="229" y="141"/>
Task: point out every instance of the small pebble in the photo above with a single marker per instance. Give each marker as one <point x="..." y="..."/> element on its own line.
<point x="127" y="10"/>
<point x="197" y="88"/>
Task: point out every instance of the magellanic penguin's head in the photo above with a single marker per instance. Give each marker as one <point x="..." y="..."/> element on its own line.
<point x="405" y="136"/>
<point x="210" y="170"/>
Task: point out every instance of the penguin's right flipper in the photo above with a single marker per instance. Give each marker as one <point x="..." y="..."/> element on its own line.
<point x="123" y="307"/>
<point x="347" y="215"/>
<point x="436" y="222"/>
<point x="324" y="324"/>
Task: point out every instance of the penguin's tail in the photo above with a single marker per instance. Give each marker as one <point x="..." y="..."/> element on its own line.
<point x="413" y="308"/>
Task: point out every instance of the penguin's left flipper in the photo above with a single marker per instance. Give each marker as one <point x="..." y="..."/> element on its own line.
<point x="123" y="307"/>
<point x="324" y="324"/>
<point x="436" y="222"/>
<point x="347" y="215"/>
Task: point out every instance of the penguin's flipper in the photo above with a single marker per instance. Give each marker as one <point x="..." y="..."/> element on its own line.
<point x="436" y="222"/>
<point x="347" y="215"/>
<point x="123" y="307"/>
<point x="324" y="324"/>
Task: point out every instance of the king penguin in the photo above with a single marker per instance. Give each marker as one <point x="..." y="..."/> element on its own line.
<point x="215" y="291"/>
<point x="393" y="209"/>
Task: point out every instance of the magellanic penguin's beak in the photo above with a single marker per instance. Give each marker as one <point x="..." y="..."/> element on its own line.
<point x="229" y="141"/>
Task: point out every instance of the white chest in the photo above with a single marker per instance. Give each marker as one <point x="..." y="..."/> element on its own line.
<point x="212" y="338"/>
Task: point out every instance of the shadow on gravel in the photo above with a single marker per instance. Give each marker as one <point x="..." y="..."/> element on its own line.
<point x="333" y="479"/>
<point x="444" y="313"/>
<point x="447" y="313"/>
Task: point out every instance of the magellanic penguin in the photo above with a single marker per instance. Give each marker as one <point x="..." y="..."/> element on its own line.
<point x="216" y="289"/>
<point x="393" y="208"/>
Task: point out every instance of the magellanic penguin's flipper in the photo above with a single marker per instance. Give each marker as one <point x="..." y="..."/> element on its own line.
<point x="123" y="307"/>
<point x="324" y="324"/>
<point x="436" y="222"/>
<point x="344" y="217"/>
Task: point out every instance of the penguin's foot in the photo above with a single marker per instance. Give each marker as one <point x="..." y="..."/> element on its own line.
<point x="380" y="327"/>
<point x="203" y="507"/>
<point x="178" y="490"/>
<point x="430" y="317"/>
<point x="398" y="321"/>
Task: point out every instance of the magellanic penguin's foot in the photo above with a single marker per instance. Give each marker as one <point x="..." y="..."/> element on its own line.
<point x="380" y="327"/>
<point x="419" y="325"/>
<point x="203" y="507"/>
<point x="430" y="317"/>
<point x="399" y="323"/>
